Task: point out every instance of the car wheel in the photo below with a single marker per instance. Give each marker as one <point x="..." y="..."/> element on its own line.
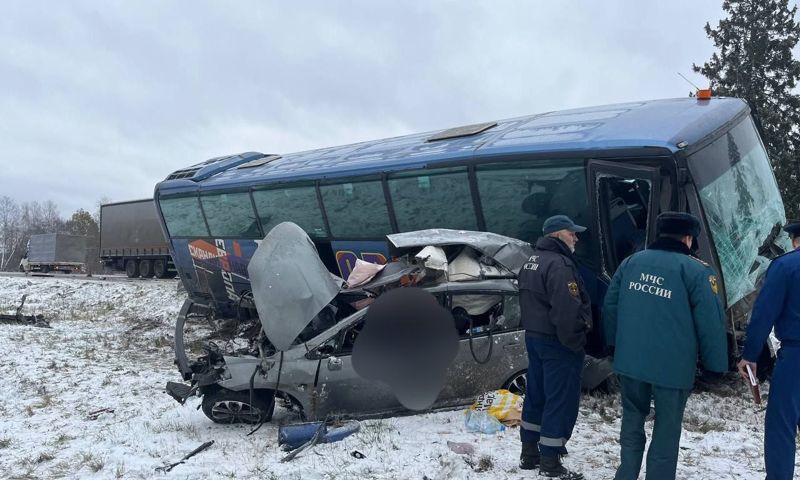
<point x="132" y="268"/>
<point x="518" y="384"/>
<point x="228" y="406"/>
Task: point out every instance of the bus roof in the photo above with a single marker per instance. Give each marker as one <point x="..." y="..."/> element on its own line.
<point x="657" y="125"/>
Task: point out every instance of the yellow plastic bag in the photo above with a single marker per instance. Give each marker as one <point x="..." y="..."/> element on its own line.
<point x="501" y="404"/>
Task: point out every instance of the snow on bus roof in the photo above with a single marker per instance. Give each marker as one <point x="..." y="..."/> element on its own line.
<point x="653" y="124"/>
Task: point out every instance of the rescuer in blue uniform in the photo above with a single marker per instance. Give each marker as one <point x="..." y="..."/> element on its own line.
<point x="556" y="314"/>
<point x="660" y="311"/>
<point x="778" y="307"/>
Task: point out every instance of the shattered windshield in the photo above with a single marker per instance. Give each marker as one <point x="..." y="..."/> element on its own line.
<point x="742" y="205"/>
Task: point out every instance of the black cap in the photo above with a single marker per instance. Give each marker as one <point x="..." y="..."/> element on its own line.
<point x="561" y="222"/>
<point x="678" y="223"/>
<point x="793" y="229"/>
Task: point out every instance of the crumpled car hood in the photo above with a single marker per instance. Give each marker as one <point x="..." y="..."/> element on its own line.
<point x="290" y="283"/>
<point x="509" y="252"/>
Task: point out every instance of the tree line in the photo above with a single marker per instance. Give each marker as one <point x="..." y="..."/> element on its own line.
<point x="18" y="221"/>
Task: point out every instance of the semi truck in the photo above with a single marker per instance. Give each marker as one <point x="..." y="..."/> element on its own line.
<point x="54" y="252"/>
<point x="131" y="240"/>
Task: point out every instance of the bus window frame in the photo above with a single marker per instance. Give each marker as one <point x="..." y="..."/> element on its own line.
<point x="196" y="196"/>
<point x="285" y="186"/>
<point x="249" y="192"/>
<point x="596" y="169"/>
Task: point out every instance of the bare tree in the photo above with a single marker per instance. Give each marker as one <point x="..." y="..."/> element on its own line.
<point x="9" y="230"/>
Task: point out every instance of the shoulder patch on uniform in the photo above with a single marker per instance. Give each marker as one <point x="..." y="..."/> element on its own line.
<point x="701" y="262"/>
<point x="573" y="289"/>
<point x="712" y="280"/>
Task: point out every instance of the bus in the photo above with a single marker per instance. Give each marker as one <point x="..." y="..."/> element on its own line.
<point x="611" y="168"/>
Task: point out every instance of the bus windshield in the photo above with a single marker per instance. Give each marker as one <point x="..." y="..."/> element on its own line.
<point x="742" y="204"/>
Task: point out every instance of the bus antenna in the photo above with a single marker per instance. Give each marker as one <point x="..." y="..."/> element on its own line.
<point x="689" y="81"/>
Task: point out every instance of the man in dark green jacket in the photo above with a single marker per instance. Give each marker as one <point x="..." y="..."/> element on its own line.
<point x="660" y="311"/>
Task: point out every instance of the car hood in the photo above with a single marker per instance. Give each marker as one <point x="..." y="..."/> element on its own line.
<point x="510" y="253"/>
<point x="290" y="283"/>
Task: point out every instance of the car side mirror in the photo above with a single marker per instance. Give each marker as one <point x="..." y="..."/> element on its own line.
<point x="323" y="351"/>
<point x="334" y="363"/>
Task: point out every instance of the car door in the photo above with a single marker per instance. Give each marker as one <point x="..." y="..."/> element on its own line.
<point x="341" y="390"/>
<point x="477" y="369"/>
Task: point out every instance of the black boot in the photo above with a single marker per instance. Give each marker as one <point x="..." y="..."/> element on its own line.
<point x="529" y="459"/>
<point x="551" y="467"/>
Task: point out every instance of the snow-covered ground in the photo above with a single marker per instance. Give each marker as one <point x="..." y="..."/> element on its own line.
<point x="111" y="348"/>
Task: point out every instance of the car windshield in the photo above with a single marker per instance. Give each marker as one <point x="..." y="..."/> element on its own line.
<point x="742" y="204"/>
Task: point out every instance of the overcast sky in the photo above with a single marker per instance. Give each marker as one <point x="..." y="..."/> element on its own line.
<point x="104" y="99"/>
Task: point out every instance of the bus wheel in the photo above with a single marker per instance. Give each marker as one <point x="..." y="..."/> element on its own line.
<point x="146" y="268"/>
<point x="132" y="268"/>
<point x="160" y="268"/>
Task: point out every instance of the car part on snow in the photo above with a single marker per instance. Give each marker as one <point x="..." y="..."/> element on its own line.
<point x="19" y="319"/>
<point x="180" y="391"/>
<point x="189" y="455"/>
<point x="313" y="441"/>
<point x="96" y="414"/>
<point x="358" y="455"/>
<point x="296" y="435"/>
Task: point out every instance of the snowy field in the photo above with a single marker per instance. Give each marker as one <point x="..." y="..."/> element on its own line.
<point x="111" y="348"/>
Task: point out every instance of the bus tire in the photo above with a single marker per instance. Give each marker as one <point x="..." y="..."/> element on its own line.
<point x="160" y="268"/>
<point x="132" y="268"/>
<point x="146" y="268"/>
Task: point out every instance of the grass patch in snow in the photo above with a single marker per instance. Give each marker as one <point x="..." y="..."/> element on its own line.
<point x="45" y="457"/>
<point x="5" y="442"/>
<point x="702" y="424"/>
<point x="89" y="460"/>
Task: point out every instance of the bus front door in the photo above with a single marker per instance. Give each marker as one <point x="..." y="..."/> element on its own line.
<point x="626" y="201"/>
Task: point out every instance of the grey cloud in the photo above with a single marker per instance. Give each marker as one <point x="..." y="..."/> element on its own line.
<point x="112" y="96"/>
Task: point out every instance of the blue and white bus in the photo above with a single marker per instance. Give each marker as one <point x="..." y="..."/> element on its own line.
<point x="613" y="168"/>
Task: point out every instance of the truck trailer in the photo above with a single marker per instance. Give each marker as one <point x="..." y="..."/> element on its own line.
<point x="131" y="240"/>
<point x="54" y="252"/>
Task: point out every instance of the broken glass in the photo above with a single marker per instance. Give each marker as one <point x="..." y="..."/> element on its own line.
<point x="742" y="205"/>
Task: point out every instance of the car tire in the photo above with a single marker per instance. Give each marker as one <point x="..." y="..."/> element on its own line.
<point x="518" y="383"/>
<point x="132" y="268"/>
<point x="228" y="406"/>
<point x="146" y="268"/>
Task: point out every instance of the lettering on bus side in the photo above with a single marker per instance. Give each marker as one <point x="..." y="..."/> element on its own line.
<point x="346" y="260"/>
<point x="225" y="267"/>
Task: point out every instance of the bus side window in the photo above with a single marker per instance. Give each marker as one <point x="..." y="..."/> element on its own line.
<point x="183" y="217"/>
<point x="230" y="215"/>
<point x="432" y="199"/>
<point x="517" y="197"/>
<point x="296" y="204"/>
<point x="356" y="209"/>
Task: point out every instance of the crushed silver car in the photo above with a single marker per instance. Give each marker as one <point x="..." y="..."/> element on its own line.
<point x="300" y="354"/>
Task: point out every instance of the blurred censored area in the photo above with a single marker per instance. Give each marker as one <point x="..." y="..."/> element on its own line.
<point x="408" y="342"/>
